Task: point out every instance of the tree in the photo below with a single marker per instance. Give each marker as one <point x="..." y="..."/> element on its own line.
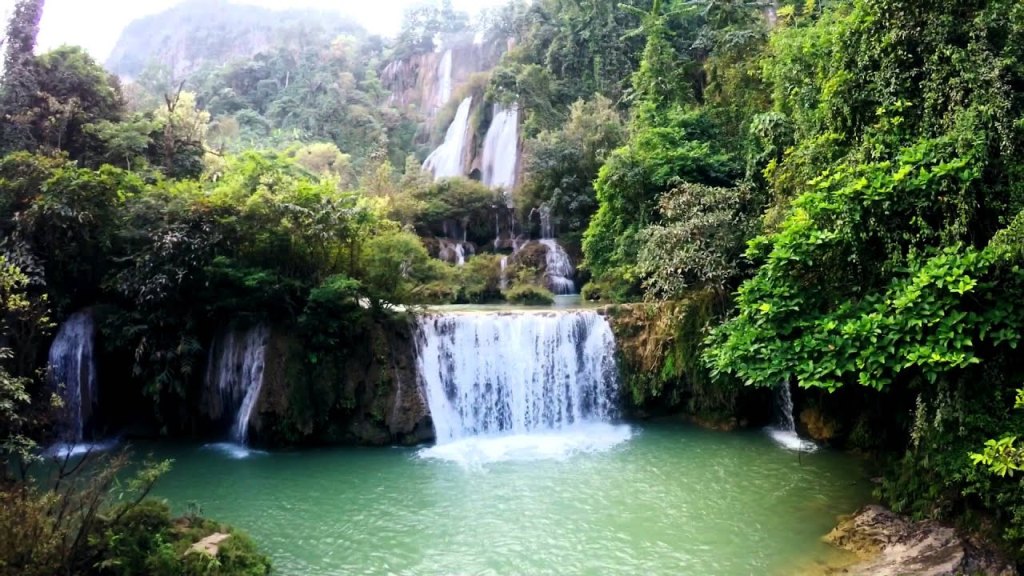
<point x="74" y="91"/>
<point x="19" y="82"/>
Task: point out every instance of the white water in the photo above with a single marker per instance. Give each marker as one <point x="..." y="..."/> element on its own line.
<point x="447" y="161"/>
<point x="235" y="371"/>
<point x="558" y="268"/>
<point x="72" y="372"/>
<point x="444" y="79"/>
<point x="518" y="385"/>
<point x="784" y="431"/>
<point x="501" y="146"/>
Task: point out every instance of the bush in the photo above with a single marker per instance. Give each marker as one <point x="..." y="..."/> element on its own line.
<point x="528" y="294"/>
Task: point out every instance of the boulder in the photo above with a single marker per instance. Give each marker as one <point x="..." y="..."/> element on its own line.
<point x="892" y="545"/>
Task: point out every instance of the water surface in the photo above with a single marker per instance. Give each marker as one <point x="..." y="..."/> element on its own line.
<point x="663" y="499"/>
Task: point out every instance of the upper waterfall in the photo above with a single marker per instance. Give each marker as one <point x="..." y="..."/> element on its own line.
<point x="516" y="373"/>
<point x="448" y="160"/>
<point x="501" y="147"/>
<point x="444" y="79"/>
<point x="72" y="371"/>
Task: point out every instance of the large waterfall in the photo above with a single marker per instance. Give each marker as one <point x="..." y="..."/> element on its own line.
<point x="73" y="373"/>
<point x="448" y="160"/>
<point x="234" y="376"/>
<point x="502" y="375"/>
<point x="501" y="145"/>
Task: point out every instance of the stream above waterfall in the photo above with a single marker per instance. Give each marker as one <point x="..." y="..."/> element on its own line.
<point x="671" y="499"/>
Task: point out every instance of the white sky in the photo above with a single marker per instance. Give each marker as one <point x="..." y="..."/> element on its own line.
<point x="96" y="24"/>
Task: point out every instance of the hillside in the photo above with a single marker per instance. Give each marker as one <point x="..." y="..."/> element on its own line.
<point x="195" y="32"/>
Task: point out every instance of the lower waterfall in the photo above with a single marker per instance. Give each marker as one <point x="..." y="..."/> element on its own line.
<point x="234" y="375"/>
<point x="531" y="384"/>
<point x="72" y="372"/>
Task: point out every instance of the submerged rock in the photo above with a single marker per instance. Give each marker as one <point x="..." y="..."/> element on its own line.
<point x="891" y="545"/>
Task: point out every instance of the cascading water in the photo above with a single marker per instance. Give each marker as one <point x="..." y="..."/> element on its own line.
<point x="784" y="430"/>
<point x="500" y="152"/>
<point x="444" y="79"/>
<point x="447" y="161"/>
<point x="72" y="372"/>
<point x="558" y="268"/>
<point x="235" y="373"/>
<point x="539" y="379"/>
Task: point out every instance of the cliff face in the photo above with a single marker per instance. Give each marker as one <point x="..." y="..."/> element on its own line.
<point x="366" y="393"/>
<point x="426" y="82"/>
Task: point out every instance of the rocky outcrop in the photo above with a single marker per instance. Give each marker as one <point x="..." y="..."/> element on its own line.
<point x="364" y="392"/>
<point x="891" y="545"/>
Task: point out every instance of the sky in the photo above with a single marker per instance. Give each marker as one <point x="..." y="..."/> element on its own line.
<point x="96" y="24"/>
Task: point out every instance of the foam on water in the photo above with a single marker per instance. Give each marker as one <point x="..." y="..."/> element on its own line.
<point x="65" y="450"/>
<point x="549" y="445"/>
<point x="233" y="450"/>
<point x="789" y="440"/>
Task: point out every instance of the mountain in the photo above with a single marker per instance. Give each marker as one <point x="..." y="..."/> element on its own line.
<point x="189" y="35"/>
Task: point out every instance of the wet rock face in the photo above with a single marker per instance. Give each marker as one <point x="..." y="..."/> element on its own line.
<point x="891" y="545"/>
<point x="366" y="393"/>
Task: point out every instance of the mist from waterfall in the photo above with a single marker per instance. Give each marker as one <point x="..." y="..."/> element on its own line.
<point x="501" y="149"/>
<point x="72" y="372"/>
<point x="448" y="160"/>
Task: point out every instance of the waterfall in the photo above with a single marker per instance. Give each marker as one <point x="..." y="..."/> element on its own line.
<point x="784" y="430"/>
<point x="558" y="268"/>
<point x="493" y="373"/>
<point x="784" y="409"/>
<point x="501" y="147"/>
<point x="235" y="373"/>
<point x="447" y="161"/>
<point x="444" y="80"/>
<point x="504" y="273"/>
<point x="72" y="371"/>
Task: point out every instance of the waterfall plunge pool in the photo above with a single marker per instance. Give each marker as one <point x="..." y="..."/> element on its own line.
<point x="669" y="499"/>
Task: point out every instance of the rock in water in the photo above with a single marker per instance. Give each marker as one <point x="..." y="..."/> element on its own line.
<point x="891" y="545"/>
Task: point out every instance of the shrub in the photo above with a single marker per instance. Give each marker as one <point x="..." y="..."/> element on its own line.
<point x="527" y="294"/>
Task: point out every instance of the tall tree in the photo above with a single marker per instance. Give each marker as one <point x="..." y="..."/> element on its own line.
<point x="18" y="83"/>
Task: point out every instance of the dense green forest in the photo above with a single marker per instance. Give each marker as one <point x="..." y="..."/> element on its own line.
<point x="826" y="193"/>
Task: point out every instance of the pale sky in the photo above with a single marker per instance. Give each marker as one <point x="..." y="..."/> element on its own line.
<point x="96" y="24"/>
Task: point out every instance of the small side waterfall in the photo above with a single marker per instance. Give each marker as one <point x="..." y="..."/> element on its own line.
<point x="521" y="373"/>
<point x="235" y="373"/>
<point x="784" y="430"/>
<point x="500" y="152"/>
<point x="558" y="268"/>
<point x="784" y="409"/>
<point x="447" y="161"/>
<point x="72" y="372"/>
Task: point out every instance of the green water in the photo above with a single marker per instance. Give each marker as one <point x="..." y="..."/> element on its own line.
<point x="671" y="500"/>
